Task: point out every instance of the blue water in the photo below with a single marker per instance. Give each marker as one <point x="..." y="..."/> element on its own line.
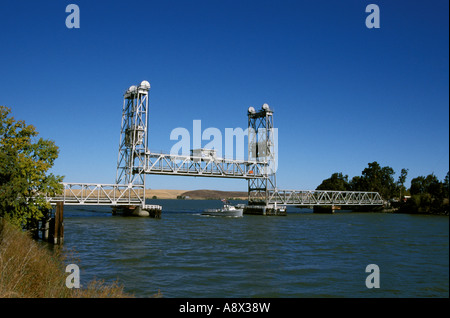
<point x="185" y="254"/>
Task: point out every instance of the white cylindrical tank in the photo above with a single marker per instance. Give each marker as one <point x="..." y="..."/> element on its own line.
<point x="145" y="85"/>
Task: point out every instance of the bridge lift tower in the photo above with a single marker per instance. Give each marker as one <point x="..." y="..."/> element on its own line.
<point x="262" y="144"/>
<point x="133" y="136"/>
<point x="133" y="144"/>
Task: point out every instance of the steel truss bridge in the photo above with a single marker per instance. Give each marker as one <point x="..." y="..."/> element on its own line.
<point x="323" y="197"/>
<point x="135" y="161"/>
<point x="100" y="194"/>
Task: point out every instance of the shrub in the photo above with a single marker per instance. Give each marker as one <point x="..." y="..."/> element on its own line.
<point x="29" y="270"/>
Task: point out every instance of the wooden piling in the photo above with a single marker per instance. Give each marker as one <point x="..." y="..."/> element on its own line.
<point x="45" y="230"/>
<point x="58" y="237"/>
<point x="46" y="225"/>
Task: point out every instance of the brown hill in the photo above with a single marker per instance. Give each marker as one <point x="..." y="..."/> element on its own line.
<point x="215" y="194"/>
<point x="164" y="194"/>
<point x="173" y="194"/>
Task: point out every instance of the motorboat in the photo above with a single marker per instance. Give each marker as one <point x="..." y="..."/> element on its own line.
<point x="227" y="210"/>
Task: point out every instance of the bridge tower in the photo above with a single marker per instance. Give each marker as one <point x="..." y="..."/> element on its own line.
<point x="262" y="147"/>
<point x="133" y="138"/>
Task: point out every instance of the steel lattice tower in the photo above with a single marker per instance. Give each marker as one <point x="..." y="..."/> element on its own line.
<point x="261" y="148"/>
<point x="133" y="137"/>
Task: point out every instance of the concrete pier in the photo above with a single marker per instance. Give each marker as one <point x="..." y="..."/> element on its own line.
<point x="327" y="209"/>
<point x="153" y="211"/>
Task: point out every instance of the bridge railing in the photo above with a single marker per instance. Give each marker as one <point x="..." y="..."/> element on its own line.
<point x="166" y="164"/>
<point x="323" y="197"/>
<point x="100" y="194"/>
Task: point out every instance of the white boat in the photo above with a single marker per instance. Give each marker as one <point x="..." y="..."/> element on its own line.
<point x="227" y="210"/>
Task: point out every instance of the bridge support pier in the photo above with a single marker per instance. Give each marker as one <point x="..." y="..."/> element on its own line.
<point x="153" y="211"/>
<point x="150" y="211"/>
<point x="268" y="210"/>
<point x="329" y="209"/>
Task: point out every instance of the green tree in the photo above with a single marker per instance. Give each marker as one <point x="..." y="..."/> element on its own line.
<point x="429" y="184"/>
<point x="446" y="186"/>
<point x="24" y="164"/>
<point x="401" y="181"/>
<point x="417" y="185"/>
<point x="377" y="179"/>
<point x="428" y="195"/>
<point x="337" y="181"/>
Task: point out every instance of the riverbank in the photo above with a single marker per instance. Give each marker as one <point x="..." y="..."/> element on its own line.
<point x="29" y="270"/>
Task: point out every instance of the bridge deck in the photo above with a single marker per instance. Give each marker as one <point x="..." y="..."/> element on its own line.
<point x="166" y="164"/>
<point x="117" y="194"/>
<point x="100" y="194"/>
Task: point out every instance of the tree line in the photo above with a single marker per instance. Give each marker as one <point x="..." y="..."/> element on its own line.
<point x="426" y="194"/>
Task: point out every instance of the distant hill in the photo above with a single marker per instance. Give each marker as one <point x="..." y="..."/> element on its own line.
<point x="196" y="194"/>
<point x="164" y="194"/>
<point x="177" y="194"/>
<point x="215" y="194"/>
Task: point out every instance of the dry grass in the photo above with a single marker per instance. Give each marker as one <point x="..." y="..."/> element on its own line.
<point x="164" y="194"/>
<point x="28" y="270"/>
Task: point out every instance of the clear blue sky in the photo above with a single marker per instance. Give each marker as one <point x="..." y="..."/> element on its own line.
<point x="344" y="95"/>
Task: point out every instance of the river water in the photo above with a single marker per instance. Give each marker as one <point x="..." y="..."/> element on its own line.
<point x="185" y="254"/>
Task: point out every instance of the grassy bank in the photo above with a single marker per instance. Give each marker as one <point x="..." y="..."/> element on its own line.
<point x="29" y="270"/>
